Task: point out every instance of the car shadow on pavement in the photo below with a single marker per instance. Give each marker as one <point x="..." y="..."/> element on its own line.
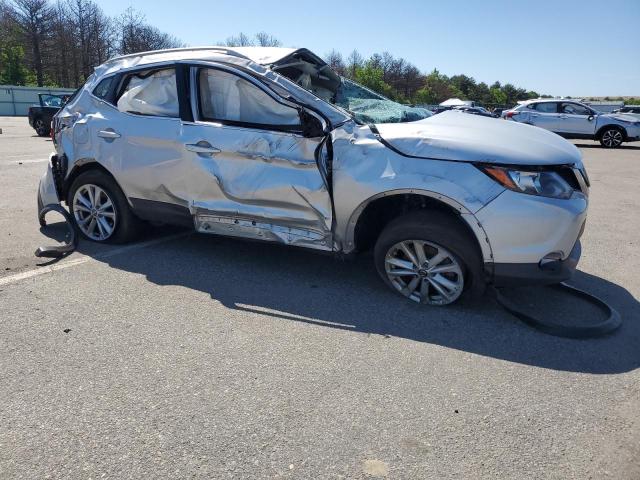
<point x="621" y="147"/>
<point x="302" y="286"/>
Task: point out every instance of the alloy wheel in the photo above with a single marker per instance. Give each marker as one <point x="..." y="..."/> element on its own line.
<point x="612" y="138"/>
<point x="94" y="212"/>
<point x="424" y="272"/>
<point x="39" y="127"/>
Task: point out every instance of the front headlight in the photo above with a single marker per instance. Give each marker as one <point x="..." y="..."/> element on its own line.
<point x="545" y="183"/>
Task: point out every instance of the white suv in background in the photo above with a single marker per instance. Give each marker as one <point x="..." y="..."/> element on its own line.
<point x="572" y="119"/>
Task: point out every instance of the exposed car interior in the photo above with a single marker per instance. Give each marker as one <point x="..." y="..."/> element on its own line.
<point x="311" y="73"/>
<point x="228" y="97"/>
<point x="366" y="106"/>
<point x="151" y="93"/>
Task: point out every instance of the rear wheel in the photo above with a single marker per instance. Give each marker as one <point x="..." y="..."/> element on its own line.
<point x="41" y="128"/>
<point x="428" y="257"/>
<point x="611" y="137"/>
<point x="100" y="209"/>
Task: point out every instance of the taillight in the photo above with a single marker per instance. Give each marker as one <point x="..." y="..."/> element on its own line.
<point x="510" y="114"/>
<point x="52" y="132"/>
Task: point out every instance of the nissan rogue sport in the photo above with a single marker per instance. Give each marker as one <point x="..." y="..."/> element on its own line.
<point x="271" y="144"/>
<point x="571" y="119"/>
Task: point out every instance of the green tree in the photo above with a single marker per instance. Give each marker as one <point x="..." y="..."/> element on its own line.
<point x="13" y="71"/>
<point x="425" y="96"/>
<point x="371" y="77"/>
<point x="497" y="96"/>
<point x="439" y="85"/>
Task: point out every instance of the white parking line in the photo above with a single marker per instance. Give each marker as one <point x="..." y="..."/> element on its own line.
<point x="79" y="261"/>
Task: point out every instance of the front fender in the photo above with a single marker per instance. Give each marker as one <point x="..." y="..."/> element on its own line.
<point x="365" y="169"/>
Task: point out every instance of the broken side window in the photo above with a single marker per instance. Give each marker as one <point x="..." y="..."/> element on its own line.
<point x="150" y="93"/>
<point x="103" y="88"/>
<point x="226" y="97"/>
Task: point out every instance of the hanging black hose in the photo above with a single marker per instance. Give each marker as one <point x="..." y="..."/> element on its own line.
<point x="611" y="324"/>
<point x="57" y="251"/>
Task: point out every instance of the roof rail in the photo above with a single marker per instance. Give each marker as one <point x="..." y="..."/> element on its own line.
<point x="228" y="51"/>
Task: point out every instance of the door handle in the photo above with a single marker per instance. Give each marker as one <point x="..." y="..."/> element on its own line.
<point x="202" y="147"/>
<point x="564" y="116"/>
<point x="109" y="133"/>
<point x="534" y="115"/>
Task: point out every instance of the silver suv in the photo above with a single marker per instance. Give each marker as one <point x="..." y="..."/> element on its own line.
<point x="572" y="119"/>
<point x="270" y="144"/>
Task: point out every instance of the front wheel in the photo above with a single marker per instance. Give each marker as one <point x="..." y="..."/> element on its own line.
<point x="611" y="138"/>
<point x="429" y="258"/>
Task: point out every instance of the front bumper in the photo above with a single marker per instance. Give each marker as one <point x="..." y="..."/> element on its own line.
<point x="548" y="273"/>
<point x="633" y="133"/>
<point x="534" y="240"/>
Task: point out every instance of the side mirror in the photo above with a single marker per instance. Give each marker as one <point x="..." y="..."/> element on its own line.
<point x="311" y="126"/>
<point x="590" y="118"/>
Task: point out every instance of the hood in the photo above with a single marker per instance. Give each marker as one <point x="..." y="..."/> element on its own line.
<point x="473" y="138"/>
<point x="625" y="117"/>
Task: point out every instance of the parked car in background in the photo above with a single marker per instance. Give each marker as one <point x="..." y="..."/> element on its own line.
<point x="572" y="119"/>
<point x="629" y="110"/>
<point x="271" y="144"/>
<point x="483" y="112"/>
<point x="498" y="111"/>
<point x="441" y="109"/>
<point x="40" y="116"/>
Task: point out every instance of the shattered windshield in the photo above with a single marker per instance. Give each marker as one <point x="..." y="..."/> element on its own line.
<point x="366" y="106"/>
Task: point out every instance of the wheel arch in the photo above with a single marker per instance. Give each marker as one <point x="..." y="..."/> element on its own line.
<point x="612" y="125"/>
<point x="82" y="166"/>
<point x="369" y="219"/>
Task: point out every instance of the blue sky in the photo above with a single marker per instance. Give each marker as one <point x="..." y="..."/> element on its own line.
<point x="561" y="47"/>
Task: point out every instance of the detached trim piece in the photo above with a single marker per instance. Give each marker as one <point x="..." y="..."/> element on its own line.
<point x="57" y="251"/>
<point x="611" y="324"/>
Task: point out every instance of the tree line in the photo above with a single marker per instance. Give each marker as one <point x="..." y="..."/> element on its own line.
<point x="47" y="43"/>
<point x="58" y="43"/>
<point x="400" y="80"/>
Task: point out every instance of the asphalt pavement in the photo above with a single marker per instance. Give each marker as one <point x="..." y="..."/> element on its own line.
<point x="194" y="356"/>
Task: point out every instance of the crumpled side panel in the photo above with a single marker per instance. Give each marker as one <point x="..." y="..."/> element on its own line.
<point x="268" y="179"/>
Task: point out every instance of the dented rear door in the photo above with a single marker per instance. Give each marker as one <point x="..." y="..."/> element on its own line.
<point x="257" y="175"/>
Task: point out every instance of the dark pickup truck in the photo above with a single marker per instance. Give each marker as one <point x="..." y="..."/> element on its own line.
<point x="40" y="115"/>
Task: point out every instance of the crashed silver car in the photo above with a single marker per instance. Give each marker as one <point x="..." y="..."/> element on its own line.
<point x="271" y="144"/>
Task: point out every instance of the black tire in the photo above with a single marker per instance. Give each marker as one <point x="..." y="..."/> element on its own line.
<point x="127" y="226"/>
<point x="41" y="128"/>
<point x="441" y="229"/>
<point x="611" y="137"/>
